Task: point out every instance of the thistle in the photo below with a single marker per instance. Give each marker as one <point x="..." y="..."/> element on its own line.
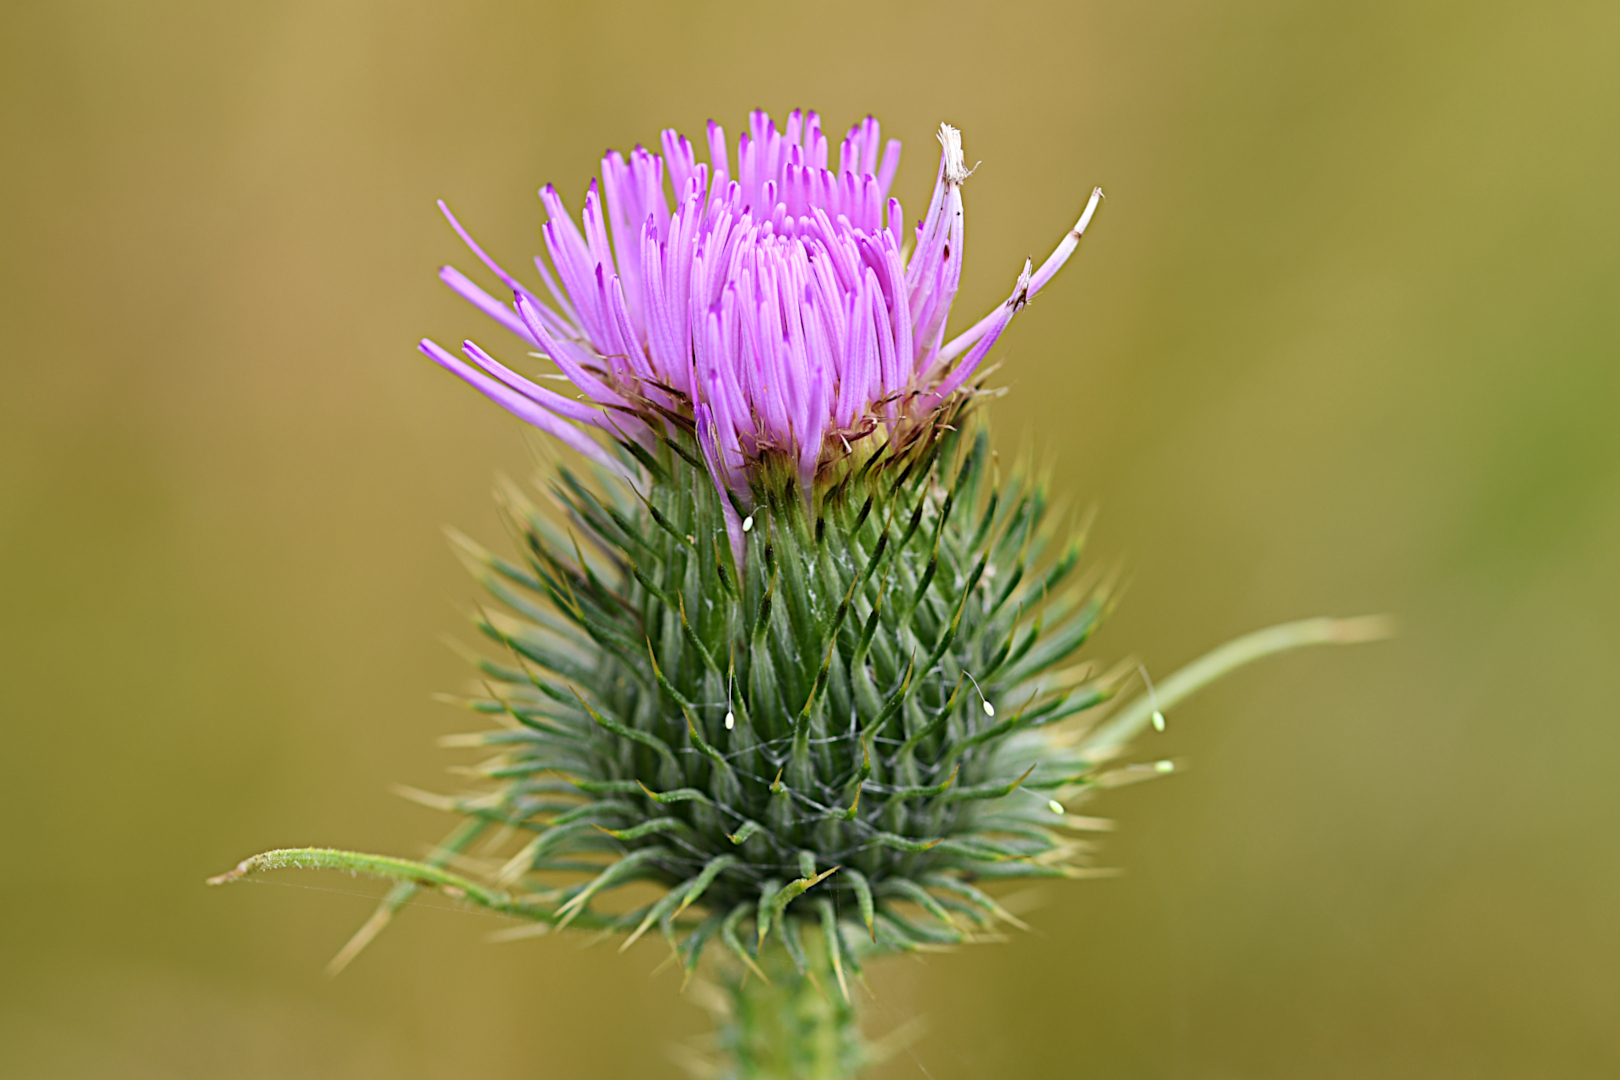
<point x="787" y="645"/>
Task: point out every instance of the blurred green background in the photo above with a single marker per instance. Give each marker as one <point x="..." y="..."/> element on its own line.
<point x="1344" y="338"/>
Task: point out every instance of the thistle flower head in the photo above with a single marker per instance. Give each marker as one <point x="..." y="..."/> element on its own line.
<point x="774" y="305"/>
<point x="800" y="648"/>
<point x="796" y="651"/>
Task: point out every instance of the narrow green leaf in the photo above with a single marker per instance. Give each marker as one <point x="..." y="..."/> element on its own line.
<point x="664" y="906"/>
<point x="744" y="831"/>
<point x="1231" y="656"/>
<point x="678" y="795"/>
<point x="779" y="900"/>
<point x="728" y="934"/>
<point x="901" y="794"/>
<point x="986" y="791"/>
<point x="974" y="896"/>
<point x="892" y="705"/>
<point x="905" y="843"/>
<point x="644" y="459"/>
<point x="863" y="896"/>
<point x="648" y="828"/>
<point x="711" y="870"/>
<point x="377" y="866"/>
<point x="834" y="943"/>
<point x="907" y="889"/>
<point x="645" y="738"/>
<point x="794" y="943"/>
<point x="631" y="866"/>
<point x="693" y="945"/>
<point x="400" y="895"/>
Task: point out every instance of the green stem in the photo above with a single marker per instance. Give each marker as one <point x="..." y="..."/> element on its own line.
<point x="794" y="1027"/>
<point x="386" y="867"/>
<point x="402" y="892"/>
<point x="1227" y="658"/>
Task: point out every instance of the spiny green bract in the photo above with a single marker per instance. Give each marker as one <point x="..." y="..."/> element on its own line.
<point x="874" y="712"/>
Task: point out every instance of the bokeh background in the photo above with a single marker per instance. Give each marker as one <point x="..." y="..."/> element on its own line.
<point x="1344" y="338"/>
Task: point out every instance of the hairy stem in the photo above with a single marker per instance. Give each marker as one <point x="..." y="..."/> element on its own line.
<point x="794" y="1027"/>
<point x="1231" y="656"/>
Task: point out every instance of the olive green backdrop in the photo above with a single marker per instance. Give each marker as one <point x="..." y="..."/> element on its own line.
<point x="1344" y="338"/>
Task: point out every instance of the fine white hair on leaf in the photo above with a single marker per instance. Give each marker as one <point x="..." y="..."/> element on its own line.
<point x="989" y="709"/>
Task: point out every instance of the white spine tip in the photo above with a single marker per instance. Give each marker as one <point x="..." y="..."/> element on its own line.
<point x="1057" y="807"/>
<point x="989" y="709"/>
<point x="748" y="523"/>
<point x="1164" y="766"/>
<point x="1158" y="720"/>
<point x="731" y="721"/>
